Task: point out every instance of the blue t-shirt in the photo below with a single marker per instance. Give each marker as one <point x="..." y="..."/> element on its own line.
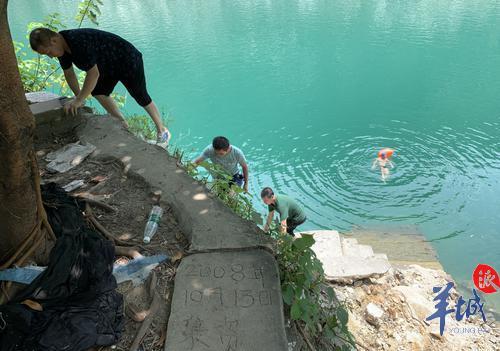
<point x="229" y="161"/>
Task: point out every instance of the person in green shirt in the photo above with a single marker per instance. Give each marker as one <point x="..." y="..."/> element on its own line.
<point x="291" y="214"/>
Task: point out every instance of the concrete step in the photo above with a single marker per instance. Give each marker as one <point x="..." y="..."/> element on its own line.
<point x="344" y="259"/>
<point x="349" y="247"/>
<point x="366" y="251"/>
<point x="380" y="255"/>
<point x="327" y="242"/>
<point x="349" y="268"/>
<point x="404" y="245"/>
<point x="227" y="301"/>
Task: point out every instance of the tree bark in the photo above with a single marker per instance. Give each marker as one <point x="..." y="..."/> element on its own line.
<point x="19" y="178"/>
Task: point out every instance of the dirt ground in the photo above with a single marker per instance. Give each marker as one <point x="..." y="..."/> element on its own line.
<point x="132" y="198"/>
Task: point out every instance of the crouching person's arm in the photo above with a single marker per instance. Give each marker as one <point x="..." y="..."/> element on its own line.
<point x="269" y="219"/>
<point x="198" y="161"/>
<point x="244" y="167"/>
<point x="72" y="80"/>
<point x="283" y="227"/>
<point x="88" y="86"/>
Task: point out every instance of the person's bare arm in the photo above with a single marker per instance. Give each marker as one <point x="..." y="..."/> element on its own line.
<point x="283" y="227"/>
<point x="391" y="164"/>
<point x="374" y="164"/>
<point x="270" y="217"/>
<point x="88" y="85"/>
<point x="72" y="80"/>
<point x="199" y="160"/>
<point x="244" y="167"/>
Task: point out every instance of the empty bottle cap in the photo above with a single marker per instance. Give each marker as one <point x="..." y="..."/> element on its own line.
<point x="157" y="197"/>
<point x="147" y="240"/>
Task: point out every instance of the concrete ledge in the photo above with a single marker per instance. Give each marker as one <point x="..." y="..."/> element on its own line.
<point x="227" y="301"/>
<point x="207" y="222"/>
<point x="51" y="120"/>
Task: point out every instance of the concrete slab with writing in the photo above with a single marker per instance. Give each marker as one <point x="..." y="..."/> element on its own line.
<point x="227" y="301"/>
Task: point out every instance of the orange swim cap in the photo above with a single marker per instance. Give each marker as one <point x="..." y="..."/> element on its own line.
<point x="387" y="152"/>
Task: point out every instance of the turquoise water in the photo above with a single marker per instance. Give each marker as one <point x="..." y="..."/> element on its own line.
<point x="311" y="89"/>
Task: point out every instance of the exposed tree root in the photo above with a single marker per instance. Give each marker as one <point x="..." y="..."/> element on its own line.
<point x="131" y="252"/>
<point x="153" y="308"/>
<point x="304" y="336"/>
<point x="36" y="237"/>
<point x="101" y="229"/>
<point x="96" y="203"/>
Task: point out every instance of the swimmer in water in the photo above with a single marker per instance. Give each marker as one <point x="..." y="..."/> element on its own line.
<point x="384" y="163"/>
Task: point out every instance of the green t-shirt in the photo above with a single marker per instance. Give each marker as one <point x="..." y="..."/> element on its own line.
<point x="288" y="208"/>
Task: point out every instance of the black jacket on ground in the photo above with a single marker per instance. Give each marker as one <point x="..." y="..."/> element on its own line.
<point x="81" y="307"/>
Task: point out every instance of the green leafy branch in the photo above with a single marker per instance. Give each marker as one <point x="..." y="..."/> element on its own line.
<point x="219" y="182"/>
<point x="305" y="291"/>
<point x="88" y="9"/>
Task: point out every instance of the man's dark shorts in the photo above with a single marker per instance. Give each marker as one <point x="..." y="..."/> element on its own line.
<point x="238" y="179"/>
<point x="291" y="225"/>
<point x="135" y="82"/>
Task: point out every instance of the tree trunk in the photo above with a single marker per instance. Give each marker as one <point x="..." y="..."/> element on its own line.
<point x="21" y="221"/>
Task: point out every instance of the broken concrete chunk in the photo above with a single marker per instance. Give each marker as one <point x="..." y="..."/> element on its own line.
<point x="68" y="156"/>
<point x="373" y="314"/>
<point x="416" y="300"/>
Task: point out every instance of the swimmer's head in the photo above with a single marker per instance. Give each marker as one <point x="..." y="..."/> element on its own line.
<point x="385" y="153"/>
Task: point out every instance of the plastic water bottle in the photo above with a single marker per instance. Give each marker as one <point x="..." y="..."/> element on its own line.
<point x="153" y="222"/>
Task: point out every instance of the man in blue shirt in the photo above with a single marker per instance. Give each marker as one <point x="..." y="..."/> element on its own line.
<point x="228" y="156"/>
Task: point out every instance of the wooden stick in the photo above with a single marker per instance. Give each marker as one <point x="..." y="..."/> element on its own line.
<point x="103" y="230"/>
<point x="86" y="195"/>
<point x="107" y="234"/>
<point x="304" y="336"/>
<point x="39" y="201"/>
<point x="132" y="252"/>
<point x="21" y="248"/>
<point x="46" y="225"/>
<point x="5" y="297"/>
<point x="107" y="162"/>
<point x="153" y="308"/>
<point x="32" y="248"/>
<point x="134" y="313"/>
<point x="96" y="203"/>
<point x="152" y="284"/>
<point x="41" y="223"/>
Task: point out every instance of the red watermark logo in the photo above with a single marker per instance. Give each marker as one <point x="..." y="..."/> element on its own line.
<point x="485" y="278"/>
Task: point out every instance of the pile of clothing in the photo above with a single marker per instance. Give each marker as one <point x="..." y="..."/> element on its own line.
<point x="80" y="307"/>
